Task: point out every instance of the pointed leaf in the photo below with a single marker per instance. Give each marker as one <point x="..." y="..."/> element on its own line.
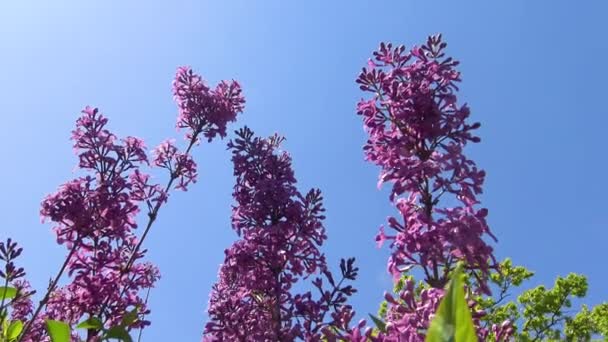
<point x="8" y="292"/>
<point x="91" y="323"/>
<point x="129" y="318"/>
<point x="5" y="323"/>
<point x="119" y="333"/>
<point x="380" y="324"/>
<point x="453" y="320"/>
<point x="58" y="331"/>
<point x="14" y="330"/>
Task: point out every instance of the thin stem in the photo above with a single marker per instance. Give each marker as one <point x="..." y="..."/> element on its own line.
<point x="328" y="301"/>
<point x="277" y="309"/>
<point x="151" y="219"/>
<point x="46" y="297"/>
<point x="143" y="315"/>
<point x="554" y="320"/>
<point x="152" y="216"/>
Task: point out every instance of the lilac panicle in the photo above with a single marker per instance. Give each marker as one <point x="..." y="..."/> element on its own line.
<point x="202" y="109"/>
<point x="281" y="231"/>
<point x="95" y="215"/>
<point x="181" y="166"/>
<point x="417" y="133"/>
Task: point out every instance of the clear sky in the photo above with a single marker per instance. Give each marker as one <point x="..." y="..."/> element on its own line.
<point x="534" y="75"/>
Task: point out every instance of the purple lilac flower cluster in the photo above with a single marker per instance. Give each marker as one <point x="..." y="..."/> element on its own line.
<point x="281" y="231"/>
<point x="417" y="133"/>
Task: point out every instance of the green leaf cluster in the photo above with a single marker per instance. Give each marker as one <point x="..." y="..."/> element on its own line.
<point x="541" y="313"/>
<point x="60" y="331"/>
<point x="10" y="330"/>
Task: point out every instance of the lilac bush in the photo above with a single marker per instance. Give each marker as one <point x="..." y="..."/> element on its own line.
<point x="275" y="283"/>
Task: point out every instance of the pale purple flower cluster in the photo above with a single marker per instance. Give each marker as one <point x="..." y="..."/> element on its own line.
<point x="22" y="307"/>
<point x="410" y="314"/>
<point x="202" y="109"/>
<point x="144" y="191"/>
<point x="281" y="231"/>
<point x="95" y="216"/>
<point x="407" y="318"/>
<point x="181" y="166"/>
<point x="417" y="132"/>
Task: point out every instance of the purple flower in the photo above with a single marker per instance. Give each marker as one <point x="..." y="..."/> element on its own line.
<point x="22" y="306"/>
<point x="202" y="109"/>
<point x="181" y="166"/>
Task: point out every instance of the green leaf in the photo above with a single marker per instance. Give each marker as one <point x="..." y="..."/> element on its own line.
<point x="380" y="324"/>
<point x="14" y="330"/>
<point x="5" y="323"/>
<point x="91" y="323"/>
<point x="59" y="331"/>
<point x="453" y="320"/>
<point x="129" y="318"/>
<point x="8" y="292"/>
<point x="119" y="333"/>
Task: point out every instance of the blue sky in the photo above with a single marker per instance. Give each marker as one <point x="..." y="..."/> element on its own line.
<point x="533" y="75"/>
